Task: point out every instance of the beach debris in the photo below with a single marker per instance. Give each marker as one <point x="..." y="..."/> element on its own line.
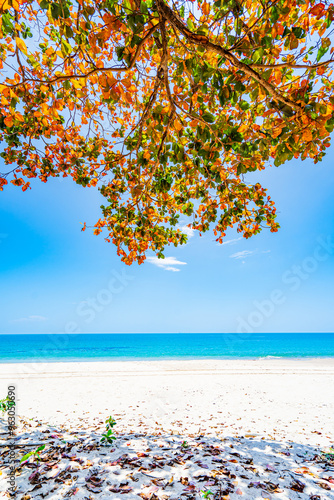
<point x="161" y="467"/>
<point x="297" y="485"/>
<point x="324" y="485"/>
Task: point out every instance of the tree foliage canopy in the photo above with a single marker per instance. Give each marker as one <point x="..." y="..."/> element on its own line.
<point x="164" y="106"/>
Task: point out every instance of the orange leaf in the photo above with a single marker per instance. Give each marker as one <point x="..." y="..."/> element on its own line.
<point x="317" y="9"/>
<point x="206" y="9"/>
<point x="307" y="135"/>
<point x="19" y="117"/>
<point x="178" y="125"/>
<point x="276" y="132"/>
<point x="9" y="121"/>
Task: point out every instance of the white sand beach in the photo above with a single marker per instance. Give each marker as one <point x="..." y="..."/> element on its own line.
<point x="277" y="414"/>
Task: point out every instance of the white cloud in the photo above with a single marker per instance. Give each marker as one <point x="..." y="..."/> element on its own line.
<point x="189" y="231"/>
<point x="168" y="264"/>
<point x="241" y="255"/>
<point x="231" y="242"/>
<point x="29" y="318"/>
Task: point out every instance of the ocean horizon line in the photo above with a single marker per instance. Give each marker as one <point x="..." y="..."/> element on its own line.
<point x="85" y="346"/>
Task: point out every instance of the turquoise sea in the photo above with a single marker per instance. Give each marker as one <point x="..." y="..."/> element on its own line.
<point x="97" y="347"/>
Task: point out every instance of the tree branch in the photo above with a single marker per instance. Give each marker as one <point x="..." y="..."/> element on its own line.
<point x="204" y="41"/>
<point x="116" y="69"/>
<point x="290" y="65"/>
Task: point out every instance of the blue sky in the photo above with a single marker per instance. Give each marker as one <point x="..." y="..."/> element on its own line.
<point x="55" y="278"/>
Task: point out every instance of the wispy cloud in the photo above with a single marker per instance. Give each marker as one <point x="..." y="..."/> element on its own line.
<point x="189" y="231"/>
<point x="168" y="264"/>
<point x="242" y="255"/>
<point x="231" y="242"/>
<point x="29" y="319"/>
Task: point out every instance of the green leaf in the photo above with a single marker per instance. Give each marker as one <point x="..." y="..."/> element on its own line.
<point x="65" y="48"/>
<point x="190" y="24"/>
<point x="298" y="32"/>
<point x="321" y="52"/>
<point x="241" y="169"/>
<point x="26" y="456"/>
<point x="244" y="105"/>
<point x="274" y="14"/>
<point x="120" y="52"/>
<point x="55" y="11"/>
<point x="127" y="6"/>
<point x="135" y="40"/>
<point x="143" y="7"/>
<point x="285" y="32"/>
<point x="258" y="54"/>
<point x="208" y="117"/>
<point x="69" y="31"/>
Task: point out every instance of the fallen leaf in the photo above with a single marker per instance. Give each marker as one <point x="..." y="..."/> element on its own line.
<point x="297" y="485"/>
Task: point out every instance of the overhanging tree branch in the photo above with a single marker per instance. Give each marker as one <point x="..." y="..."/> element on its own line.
<point x="203" y="41"/>
<point x="115" y="69"/>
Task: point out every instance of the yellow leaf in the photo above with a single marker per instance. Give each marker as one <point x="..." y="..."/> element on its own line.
<point x="4" y="5"/>
<point x="177" y="125"/>
<point x="21" y="45"/>
<point x="45" y="108"/>
<point x="77" y="84"/>
<point x="243" y="127"/>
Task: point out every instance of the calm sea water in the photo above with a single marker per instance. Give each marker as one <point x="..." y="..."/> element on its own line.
<point x="94" y="347"/>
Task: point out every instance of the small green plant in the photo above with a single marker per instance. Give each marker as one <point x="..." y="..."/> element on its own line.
<point x="184" y="444"/>
<point x="109" y="436"/>
<point x="6" y="404"/>
<point x="329" y="454"/>
<point x="207" y="493"/>
<point x="34" y="454"/>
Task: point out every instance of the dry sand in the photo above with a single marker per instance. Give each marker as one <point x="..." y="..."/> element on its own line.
<point x="273" y="397"/>
<point x="279" y="413"/>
